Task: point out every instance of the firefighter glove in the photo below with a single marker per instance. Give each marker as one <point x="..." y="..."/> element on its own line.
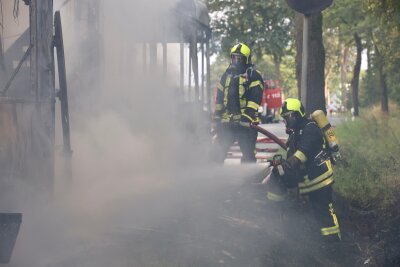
<point x="280" y="165"/>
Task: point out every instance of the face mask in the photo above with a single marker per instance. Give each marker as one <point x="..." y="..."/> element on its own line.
<point x="290" y="121"/>
<point x="238" y="64"/>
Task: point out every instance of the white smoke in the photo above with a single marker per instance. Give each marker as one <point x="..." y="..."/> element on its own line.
<point x="139" y="161"/>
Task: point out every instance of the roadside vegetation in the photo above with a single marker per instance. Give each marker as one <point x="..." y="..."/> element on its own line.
<point x="368" y="185"/>
<point x="369" y="175"/>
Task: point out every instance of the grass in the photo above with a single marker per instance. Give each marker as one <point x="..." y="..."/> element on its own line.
<point x="369" y="175"/>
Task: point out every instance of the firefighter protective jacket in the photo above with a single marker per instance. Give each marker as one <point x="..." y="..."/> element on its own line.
<point x="307" y="144"/>
<point x="239" y="96"/>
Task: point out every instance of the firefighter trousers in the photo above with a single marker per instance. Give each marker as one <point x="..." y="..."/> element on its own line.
<point x="321" y="205"/>
<point x="227" y="134"/>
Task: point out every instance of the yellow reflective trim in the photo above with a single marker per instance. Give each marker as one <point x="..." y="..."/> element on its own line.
<point x="242" y="103"/>
<point x="220" y="87"/>
<point x="332" y="211"/>
<point x="301" y="156"/>
<point x="320" y="178"/>
<point x="236" y="117"/>
<point x="316" y="181"/>
<point x="275" y="197"/>
<point x="317" y="186"/>
<point x="256" y="83"/>
<point x="242" y="91"/>
<point x="330" y="230"/>
<point x="335" y="219"/>
<point x="247" y="116"/>
<point x="329" y="165"/>
<point x="219" y="107"/>
<point x="252" y="105"/>
<point x="227" y="82"/>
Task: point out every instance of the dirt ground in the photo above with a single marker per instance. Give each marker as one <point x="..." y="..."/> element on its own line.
<point x="375" y="234"/>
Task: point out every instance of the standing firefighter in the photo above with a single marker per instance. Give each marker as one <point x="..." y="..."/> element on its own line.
<point x="238" y="98"/>
<point x="307" y="166"/>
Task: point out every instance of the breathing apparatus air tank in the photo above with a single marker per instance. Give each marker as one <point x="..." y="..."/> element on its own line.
<point x="319" y="117"/>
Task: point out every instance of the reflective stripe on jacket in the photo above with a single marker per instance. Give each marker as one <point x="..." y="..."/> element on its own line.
<point x="237" y="94"/>
<point x="305" y="144"/>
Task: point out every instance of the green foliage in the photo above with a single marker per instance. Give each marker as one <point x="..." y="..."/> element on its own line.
<point x="218" y="68"/>
<point x="369" y="89"/>
<point x="289" y="82"/>
<point x="369" y="175"/>
<point x="385" y="16"/>
<point x="266" y="26"/>
<point x="378" y="24"/>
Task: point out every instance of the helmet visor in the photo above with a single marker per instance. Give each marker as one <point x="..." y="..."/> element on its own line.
<point x="289" y="119"/>
<point x="286" y="115"/>
<point x="238" y="59"/>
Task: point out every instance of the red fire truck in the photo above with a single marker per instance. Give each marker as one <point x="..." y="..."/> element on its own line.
<point x="271" y="101"/>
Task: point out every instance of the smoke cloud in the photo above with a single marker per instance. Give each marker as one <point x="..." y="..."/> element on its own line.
<point x="143" y="192"/>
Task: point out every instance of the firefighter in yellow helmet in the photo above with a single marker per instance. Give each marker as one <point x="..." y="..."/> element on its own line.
<point x="238" y="97"/>
<point x="307" y="167"/>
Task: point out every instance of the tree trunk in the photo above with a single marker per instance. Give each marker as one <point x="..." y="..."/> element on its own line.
<point x="382" y="82"/>
<point x="369" y="84"/>
<point x="384" y="90"/>
<point x="277" y="64"/>
<point x="316" y="62"/>
<point x="343" y="79"/>
<point x="356" y="74"/>
<point x="299" y="49"/>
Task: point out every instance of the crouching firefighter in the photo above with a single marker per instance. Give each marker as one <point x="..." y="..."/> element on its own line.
<point x="307" y="167"/>
<point x="238" y="97"/>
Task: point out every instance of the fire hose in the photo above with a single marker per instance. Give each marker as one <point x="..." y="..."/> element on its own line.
<point x="269" y="134"/>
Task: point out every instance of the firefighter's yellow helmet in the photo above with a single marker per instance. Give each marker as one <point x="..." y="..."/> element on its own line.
<point x="241" y="49"/>
<point x="291" y="105"/>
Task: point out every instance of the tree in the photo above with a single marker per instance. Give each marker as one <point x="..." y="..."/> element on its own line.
<point x="332" y="62"/>
<point x="385" y="17"/>
<point x="374" y="25"/>
<point x="356" y="74"/>
<point x="316" y="62"/>
<point x="266" y="26"/>
<point x="348" y="17"/>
